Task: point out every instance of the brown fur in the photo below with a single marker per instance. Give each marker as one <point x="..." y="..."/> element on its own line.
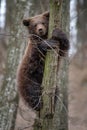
<point x="30" y="70"/>
<point x="38" y="22"/>
<point x="30" y="73"/>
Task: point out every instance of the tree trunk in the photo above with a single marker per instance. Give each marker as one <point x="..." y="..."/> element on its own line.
<point x="8" y="94"/>
<point x="60" y="121"/>
<point x="55" y="116"/>
<point x="82" y="31"/>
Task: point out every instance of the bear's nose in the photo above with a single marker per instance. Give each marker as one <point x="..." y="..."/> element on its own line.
<point x="40" y="30"/>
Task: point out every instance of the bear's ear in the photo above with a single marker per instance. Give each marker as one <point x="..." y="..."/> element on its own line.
<point x="26" y="22"/>
<point x="46" y="14"/>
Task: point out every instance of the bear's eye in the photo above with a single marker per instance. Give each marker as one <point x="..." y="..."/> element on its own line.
<point x="43" y="23"/>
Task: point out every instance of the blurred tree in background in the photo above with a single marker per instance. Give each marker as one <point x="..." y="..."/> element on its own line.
<point x="8" y="93"/>
<point x="81" y="21"/>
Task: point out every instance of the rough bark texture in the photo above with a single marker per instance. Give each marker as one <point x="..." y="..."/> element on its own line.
<point x="56" y="119"/>
<point x="60" y="120"/>
<point x="8" y="94"/>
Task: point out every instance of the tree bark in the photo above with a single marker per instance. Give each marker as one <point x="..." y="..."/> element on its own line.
<point x="55" y="116"/>
<point x="60" y="121"/>
<point x="8" y="94"/>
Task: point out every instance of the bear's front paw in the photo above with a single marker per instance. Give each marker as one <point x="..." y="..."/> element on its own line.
<point x="58" y="34"/>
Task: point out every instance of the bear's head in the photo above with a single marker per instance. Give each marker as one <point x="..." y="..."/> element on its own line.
<point x="38" y="25"/>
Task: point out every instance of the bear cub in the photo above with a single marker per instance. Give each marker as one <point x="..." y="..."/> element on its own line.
<point x="31" y="68"/>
